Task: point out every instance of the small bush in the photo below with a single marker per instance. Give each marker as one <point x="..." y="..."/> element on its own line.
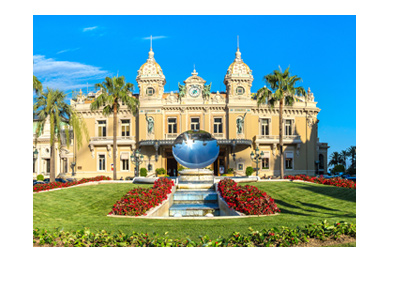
<point x="143" y="172"/>
<point x="160" y="171"/>
<point x="40" y="177"/>
<point x="338" y="169"/>
<point x="229" y="171"/>
<point x="249" y="171"/>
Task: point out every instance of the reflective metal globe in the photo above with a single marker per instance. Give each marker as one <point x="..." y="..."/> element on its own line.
<point x="195" y="149"/>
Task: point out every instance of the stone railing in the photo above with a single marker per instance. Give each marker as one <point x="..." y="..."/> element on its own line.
<point x="219" y="135"/>
<point x="275" y="138"/>
<point x="170" y="135"/>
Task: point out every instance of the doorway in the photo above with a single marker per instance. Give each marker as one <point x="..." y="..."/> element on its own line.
<point x="172" y="167"/>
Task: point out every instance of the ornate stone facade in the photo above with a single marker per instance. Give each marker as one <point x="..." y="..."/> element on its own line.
<point x="232" y="116"/>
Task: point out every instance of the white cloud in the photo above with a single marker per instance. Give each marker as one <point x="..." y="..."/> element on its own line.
<point x="155" y="37"/>
<point x="67" y="50"/>
<point x="65" y="75"/>
<point x="89" y="28"/>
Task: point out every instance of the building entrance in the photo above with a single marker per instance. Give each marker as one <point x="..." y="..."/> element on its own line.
<point x="172" y="167"/>
<point x="220" y="162"/>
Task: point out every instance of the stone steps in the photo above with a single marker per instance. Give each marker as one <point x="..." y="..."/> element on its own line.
<point x="186" y="210"/>
<point x="195" y="197"/>
<point x="196" y="186"/>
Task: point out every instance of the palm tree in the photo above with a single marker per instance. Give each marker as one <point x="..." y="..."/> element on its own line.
<point x="334" y="159"/>
<point x="37" y="85"/>
<point x="351" y="151"/>
<point x="283" y="91"/>
<point x="343" y="158"/>
<point x="113" y="91"/>
<point x="51" y="106"/>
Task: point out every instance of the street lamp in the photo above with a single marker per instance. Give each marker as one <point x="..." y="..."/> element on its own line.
<point x="137" y="158"/>
<point x="256" y="157"/>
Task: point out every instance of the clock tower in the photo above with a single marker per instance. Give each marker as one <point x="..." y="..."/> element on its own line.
<point x="238" y="80"/>
<point x="194" y="87"/>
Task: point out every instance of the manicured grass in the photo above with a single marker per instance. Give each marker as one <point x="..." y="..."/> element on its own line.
<point x="87" y="206"/>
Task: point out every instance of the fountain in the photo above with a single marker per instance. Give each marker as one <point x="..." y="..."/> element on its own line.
<point x="195" y="195"/>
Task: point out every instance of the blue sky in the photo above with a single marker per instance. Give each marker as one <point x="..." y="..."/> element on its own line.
<point x="71" y="51"/>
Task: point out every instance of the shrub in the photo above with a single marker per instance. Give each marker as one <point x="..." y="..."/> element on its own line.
<point x="55" y="185"/>
<point x="282" y="236"/>
<point x="338" y="169"/>
<point x="246" y="199"/>
<point x="143" y="172"/>
<point x="249" y="171"/>
<point x="138" y="201"/>
<point x="229" y="171"/>
<point x="160" y="171"/>
<point x="40" y="177"/>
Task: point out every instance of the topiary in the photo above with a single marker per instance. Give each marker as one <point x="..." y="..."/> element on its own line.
<point x="229" y="171"/>
<point x="160" y="171"/>
<point x="143" y="172"/>
<point x="40" y="177"/>
<point x="249" y="171"/>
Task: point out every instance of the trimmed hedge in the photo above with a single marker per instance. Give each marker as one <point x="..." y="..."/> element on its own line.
<point x="275" y="237"/>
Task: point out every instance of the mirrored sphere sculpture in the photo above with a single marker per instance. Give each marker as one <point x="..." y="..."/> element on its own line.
<point x="195" y="149"/>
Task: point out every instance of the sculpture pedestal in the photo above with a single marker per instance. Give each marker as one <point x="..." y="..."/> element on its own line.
<point x="196" y="175"/>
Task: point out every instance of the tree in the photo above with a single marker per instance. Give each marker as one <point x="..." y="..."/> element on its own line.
<point x="334" y="159"/>
<point x="37" y="86"/>
<point x="113" y="91"/>
<point x="282" y="90"/>
<point x="51" y="106"/>
<point x="351" y="151"/>
<point x="343" y="157"/>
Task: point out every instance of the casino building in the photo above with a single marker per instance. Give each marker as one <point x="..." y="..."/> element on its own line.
<point x="232" y="117"/>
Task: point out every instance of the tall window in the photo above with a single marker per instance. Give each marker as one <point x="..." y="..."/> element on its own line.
<point x="195" y="123"/>
<point x="218" y="125"/>
<point x="102" y="128"/>
<point x="125" y="164"/>
<point x="172" y="125"/>
<point x="288" y="127"/>
<point x="47" y="166"/>
<point x="289" y="160"/>
<point x="264" y="127"/>
<point x="265" y="163"/>
<point x="102" y="162"/>
<point x="125" y="127"/>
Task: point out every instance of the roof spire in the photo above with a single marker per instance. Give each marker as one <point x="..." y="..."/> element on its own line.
<point x="238" y="42"/>
<point x="151" y="53"/>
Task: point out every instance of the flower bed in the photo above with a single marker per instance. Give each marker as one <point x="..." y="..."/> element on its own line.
<point x="282" y="236"/>
<point x="246" y="199"/>
<point x="337" y="182"/>
<point x="138" y="201"/>
<point x="55" y="185"/>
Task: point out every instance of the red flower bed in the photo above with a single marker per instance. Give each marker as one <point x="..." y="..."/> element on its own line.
<point x="246" y="199"/>
<point x="138" y="201"/>
<point x="55" y="185"/>
<point x="337" y="182"/>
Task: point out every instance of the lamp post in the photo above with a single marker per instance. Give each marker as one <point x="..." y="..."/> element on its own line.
<point x="256" y="158"/>
<point x="137" y="158"/>
<point x="35" y="156"/>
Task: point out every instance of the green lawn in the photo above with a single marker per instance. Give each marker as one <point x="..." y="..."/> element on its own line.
<point x="87" y="206"/>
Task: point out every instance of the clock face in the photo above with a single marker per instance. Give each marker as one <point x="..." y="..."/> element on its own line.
<point x="194" y="91"/>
